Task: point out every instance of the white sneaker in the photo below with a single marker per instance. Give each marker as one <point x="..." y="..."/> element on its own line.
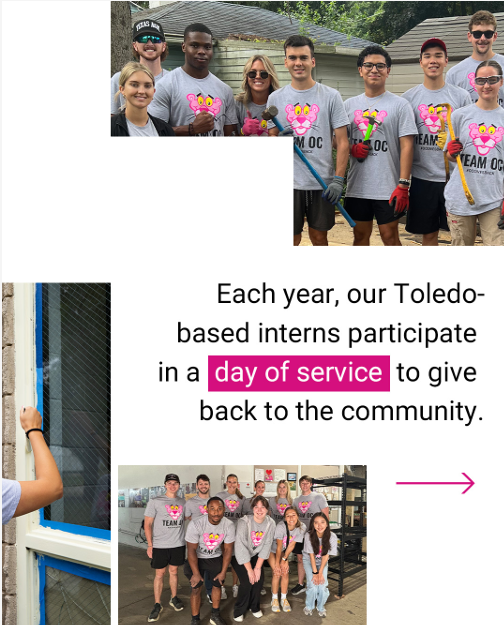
<point x="257" y="614"/>
<point x="235" y="591"/>
<point x="286" y="606"/>
<point x="223" y="593"/>
<point x="322" y="613"/>
<point x="307" y="612"/>
<point x="238" y="619"/>
<point x="263" y="591"/>
<point x="275" y="606"/>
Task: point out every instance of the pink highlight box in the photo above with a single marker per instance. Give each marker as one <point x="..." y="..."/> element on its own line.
<point x="296" y="374"/>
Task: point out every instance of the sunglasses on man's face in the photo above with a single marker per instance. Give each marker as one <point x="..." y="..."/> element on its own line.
<point x="477" y="34"/>
<point x="263" y="74"/>
<point x="491" y="80"/>
<point x="145" y="39"/>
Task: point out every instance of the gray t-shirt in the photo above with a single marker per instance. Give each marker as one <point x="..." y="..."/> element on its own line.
<point x="481" y="133"/>
<point x="11" y="493"/>
<point x="168" y="526"/>
<point x="247" y="506"/>
<point x="234" y="505"/>
<point x="256" y="110"/>
<point x="253" y="539"/>
<point x="428" y="160"/>
<point x="196" y="507"/>
<point x="179" y="98"/>
<point x="208" y="537"/>
<point x="309" y="505"/>
<point x="313" y="114"/>
<point x="115" y="104"/>
<point x="149" y="130"/>
<point x="277" y="509"/>
<point x="333" y="548"/>
<point x="378" y="176"/>
<point x="463" y="75"/>
<point x="297" y="534"/>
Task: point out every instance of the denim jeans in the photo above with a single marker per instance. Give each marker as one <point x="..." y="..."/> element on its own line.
<point x="320" y="593"/>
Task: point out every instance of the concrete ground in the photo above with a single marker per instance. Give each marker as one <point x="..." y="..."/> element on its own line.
<point x="342" y="236"/>
<point x="136" y="598"/>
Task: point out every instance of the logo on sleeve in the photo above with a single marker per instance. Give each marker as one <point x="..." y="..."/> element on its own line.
<point x="212" y="540"/>
<point x="485" y="138"/>
<point x="208" y="104"/>
<point x="361" y="119"/>
<point x="281" y="507"/>
<point x="432" y="116"/>
<point x="203" y="509"/>
<point x="174" y="511"/>
<point x="301" y="118"/>
<point x="232" y="504"/>
<point x="304" y="506"/>
<point x="256" y="538"/>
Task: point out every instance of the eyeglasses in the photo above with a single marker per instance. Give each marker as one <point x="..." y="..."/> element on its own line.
<point x="491" y="80"/>
<point x="263" y="74"/>
<point x="145" y="39"/>
<point x="379" y="66"/>
<point x="477" y="34"/>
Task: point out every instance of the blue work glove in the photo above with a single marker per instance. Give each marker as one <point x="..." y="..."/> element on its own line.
<point x="334" y="190"/>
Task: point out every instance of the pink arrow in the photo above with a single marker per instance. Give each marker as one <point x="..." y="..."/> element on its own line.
<point x="469" y="484"/>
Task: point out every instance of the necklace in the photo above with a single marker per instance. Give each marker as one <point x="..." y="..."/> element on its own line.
<point x="377" y="99"/>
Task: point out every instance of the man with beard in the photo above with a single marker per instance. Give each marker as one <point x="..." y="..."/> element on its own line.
<point x="195" y="101"/>
<point x="149" y="48"/>
<point x="210" y="540"/>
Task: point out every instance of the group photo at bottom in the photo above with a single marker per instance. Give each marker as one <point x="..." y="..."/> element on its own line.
<point x="226" y="543"/>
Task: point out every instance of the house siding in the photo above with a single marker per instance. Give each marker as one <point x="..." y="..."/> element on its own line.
<point x="406" y="76"/>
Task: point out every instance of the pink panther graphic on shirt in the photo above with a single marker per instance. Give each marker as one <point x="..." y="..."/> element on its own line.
<point x="281" y="507"/>
<point x="301" y="118"/>
<point x="212" y="540"/>
<point x="174" y="511"/>
<point x="232" y="504"/>
<point x="208" y="104"/>
<point x="319" y="554"/>
<point x="256" y="537"/>
<point x="304" y="506"/>
<point x="361" y="119"/>
<point x="284" y="541"/>
<point x="485" y="138"/>
<point x="203" y="509"/>
<point x="432" y="116"/>
<point x="470" y="78"/>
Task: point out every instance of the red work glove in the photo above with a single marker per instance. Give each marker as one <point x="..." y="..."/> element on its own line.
<point x="360" y="151"/>
<point x="251" y="126"/>
<point x="455" y="148"/>
<point x="501" y="222"/>
<point x="400" y="201"/>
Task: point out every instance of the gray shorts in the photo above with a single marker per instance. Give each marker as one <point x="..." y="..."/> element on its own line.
<point x="320" y="213"/>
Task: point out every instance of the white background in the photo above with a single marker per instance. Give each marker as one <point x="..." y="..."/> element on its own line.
<point x="164" y="222"/>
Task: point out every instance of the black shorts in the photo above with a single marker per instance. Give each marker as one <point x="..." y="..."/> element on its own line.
<point x="427" y="211"/>
<point x="361" y="209"/>
<point x="212" y="565"/>
<point x="298" y="548"/>
<point x="320" y="213"/>
<point x="161" y="558"/>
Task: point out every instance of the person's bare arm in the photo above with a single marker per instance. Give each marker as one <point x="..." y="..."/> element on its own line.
<point x="273" y="132"/>
<point x="149" y="520"/>
<point x="192" y="558"/>
<point x="325" y="511"/>
<point x="47" y="486"/>
<point x="343" y="150"/>
<point x="230" y="130"/>
<point x="204" y="122"/>
<point x="226" y="560"/>
<point x="407" y="149"/>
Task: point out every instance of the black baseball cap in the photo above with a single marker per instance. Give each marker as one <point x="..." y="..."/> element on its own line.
<point x="434" y="43"/>
<point x="147" y="27"/>
<point x="172" y="476"/>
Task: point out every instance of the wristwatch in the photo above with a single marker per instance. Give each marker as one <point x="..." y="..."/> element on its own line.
<point x="406" y="183"/>
<point x="284" y="559"/>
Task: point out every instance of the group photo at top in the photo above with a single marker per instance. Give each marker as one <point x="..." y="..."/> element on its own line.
<point x="395" y="115"/>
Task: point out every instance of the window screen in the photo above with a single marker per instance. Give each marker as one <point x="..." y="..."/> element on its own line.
<point x="74" y="341"/>
<point x="72" y="599"/>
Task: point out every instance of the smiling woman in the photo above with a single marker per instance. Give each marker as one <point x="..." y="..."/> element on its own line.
<point x="136" y="85"/>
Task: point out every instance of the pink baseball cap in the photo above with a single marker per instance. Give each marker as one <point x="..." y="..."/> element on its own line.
<point x="431" y="43"/>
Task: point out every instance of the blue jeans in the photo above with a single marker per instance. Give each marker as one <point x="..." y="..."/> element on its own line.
<point x="320" y="593"/>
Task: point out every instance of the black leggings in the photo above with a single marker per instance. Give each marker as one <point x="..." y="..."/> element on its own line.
<point x="249" y="595"/>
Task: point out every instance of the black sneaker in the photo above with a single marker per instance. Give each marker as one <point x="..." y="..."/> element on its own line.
<point x="176" y="604"/>
<point x="298" y="589"/>
<point x="154" y="615"/>
<point x="195" y="620"/>
<point x="216" y="619"/>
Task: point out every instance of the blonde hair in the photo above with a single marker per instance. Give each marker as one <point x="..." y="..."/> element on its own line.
<point x="245" y="96"/>
<point x="127" y="72"/>
<point x="288" y="496"/>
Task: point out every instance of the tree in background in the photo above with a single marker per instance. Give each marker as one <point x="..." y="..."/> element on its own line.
<point x="120" y="45"/>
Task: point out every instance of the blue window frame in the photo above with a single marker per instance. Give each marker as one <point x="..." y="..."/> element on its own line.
<point x="72" y="341"/>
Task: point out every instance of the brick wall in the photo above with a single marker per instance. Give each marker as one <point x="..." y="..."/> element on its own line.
<point x="8" y="453"/>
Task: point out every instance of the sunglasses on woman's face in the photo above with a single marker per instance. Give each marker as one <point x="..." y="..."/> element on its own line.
<point x="145" y="39"/>
<point x="491" y="80"/>
<point x="477" y="34"/>
<point x="263" y="74"/>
